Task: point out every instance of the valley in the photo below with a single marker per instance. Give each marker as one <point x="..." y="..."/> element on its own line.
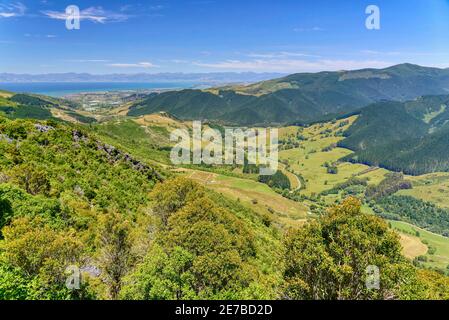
<point x="323" y="166"/>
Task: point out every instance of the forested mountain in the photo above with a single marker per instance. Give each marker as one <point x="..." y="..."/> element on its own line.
<point x="383" y="123"/>
<point x="410" y="136"/>
<point x="302" y="97"/>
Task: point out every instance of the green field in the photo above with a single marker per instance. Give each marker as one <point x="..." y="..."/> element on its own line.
<point x="440" y="259"/>
<point x="259" y="196"/>
<point x="5" y="94"/>
<point x="308" y="160"/>
<point x="433" y="187"/>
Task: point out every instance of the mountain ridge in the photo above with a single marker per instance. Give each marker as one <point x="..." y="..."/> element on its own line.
<point x="410" y="136"/>
<point x="301" y="97"/>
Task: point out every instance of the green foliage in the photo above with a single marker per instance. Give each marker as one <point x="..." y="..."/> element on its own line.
<point x="421" y="213"/>
<point x="327" y="259"/>
<point x="81" y="118"/>
<point x="277" y="180"/>
<point x="59" y="181"/>
<point x="31" y="101"/>
<point x="67" y="198"/>
<point x="202" y="250"/>
<point x="15" y="202"/>
<point x="382" y="123"/>
<point x="26" y="106"/>
<point x="436" y="285"/>
<point x="13" y="284"/>
<point x="29" y="112"/>
<point x="392" y="183"/>
<point x="115" y="254"/>
<point x="145" y="143"/>
<point x="351" y="182"/>
<point x="34" y="257"/>
<point x="394" y="135"/>
<point x="161" y="276"/>
<point x="55" y="162"/>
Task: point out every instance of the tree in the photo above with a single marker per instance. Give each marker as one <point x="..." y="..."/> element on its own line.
<point x="202" y="252"/>
<point x="13" y="284"/>
<point x="115" y="256"/>
<point x="5" y="211"/>
<point x="161" y="275"/>
<point x="328" y="258"/>
<point x="32" y="178"/>
<point x="277" y="180"/>
<point x="169" y="197"/>
<point x="37" y="254"/>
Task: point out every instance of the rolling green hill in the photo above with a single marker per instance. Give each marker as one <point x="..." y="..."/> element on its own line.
<point x="383" y="123"/>
<point x="67" y="198"/>
<point x="32" y="106"/>
<point x="407" y="136"/>
<point x="301" y="98"/>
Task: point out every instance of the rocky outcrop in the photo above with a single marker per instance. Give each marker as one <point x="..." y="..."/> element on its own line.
<point x="42" y="128"/>
<point x="115" y="155"/>
<point x="6" y="138"/>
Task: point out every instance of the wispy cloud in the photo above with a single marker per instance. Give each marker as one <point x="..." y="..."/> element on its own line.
<point x="179" y="61"/>
<point x="94" y="14"/>
<point x="282" y="54"/>
<point x="302" y="29"/>
<point x="143" y="10"/>
<point x="405" y="53"/>
<point x="86" y="60"/>
<point x="10" y="10"/>
<point x="156" y="7"/>
<point x="145" y="65"/>
<point x="49" y="36"/>
<point x="294" y="65"/>
<point x="381" y="53"/>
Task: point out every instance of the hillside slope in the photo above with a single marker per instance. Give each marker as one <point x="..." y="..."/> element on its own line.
<point x="302" y="97"/>
<point x="40" y="107"/>
<point x="411" y="136"/>
<point x="68" y="199"/>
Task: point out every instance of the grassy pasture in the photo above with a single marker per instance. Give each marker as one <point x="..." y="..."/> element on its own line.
<point x="412" y="247"/>
<point x="256" y="195"/>
<point x="309" y="159"/>
<point x="440" y="259"/>
<point x="433" y="187"/>
<point x="6" y="94"/>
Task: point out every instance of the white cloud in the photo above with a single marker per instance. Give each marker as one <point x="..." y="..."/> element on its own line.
<point x="441" y="65"/>
<point x="145" y="65"/>
<point x="10" y="10"/>
<point x="294" y="65"/>
<point x="156" y="7"/>
<point x="49" y="36"/>
<point x="283" y="54"/>
<point x="179" y="61"/>
<point x="381" y="53"/>
<point x="300" y="29"/>
<point x="141" y="7"/>
<point x="87" y="60"/>
<point x="94" y="14"/>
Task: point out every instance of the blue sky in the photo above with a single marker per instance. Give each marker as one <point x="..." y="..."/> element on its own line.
<point x="221" y="35"/>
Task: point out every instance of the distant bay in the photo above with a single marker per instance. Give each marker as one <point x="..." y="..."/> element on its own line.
<point x="59" y="89"/>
